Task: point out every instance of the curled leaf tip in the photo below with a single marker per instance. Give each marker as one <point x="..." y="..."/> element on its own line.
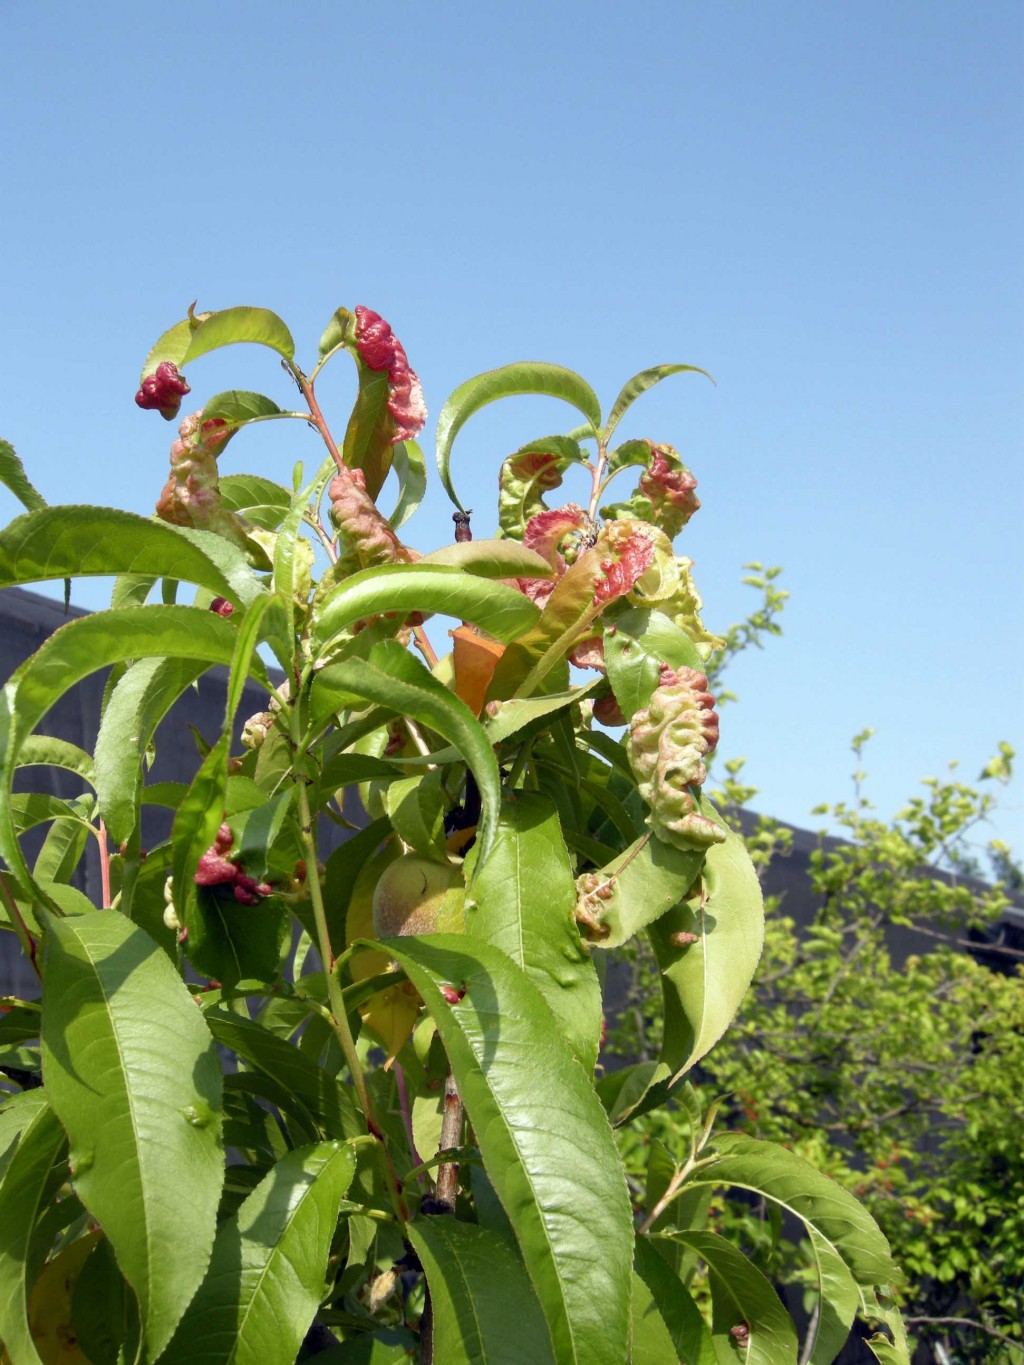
<point x="380" y="349"/>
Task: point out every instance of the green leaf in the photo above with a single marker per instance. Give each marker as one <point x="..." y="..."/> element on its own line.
<point x="172" y="346"/>
<point x="681" y="1316"/>
<point x="238" y="406"/>
<point x="492" y="559"/>
<point x="341" y="328"/>
<point x="259" y="500"/>
<point x="82" y="647"/>
<point x="367" y="445"/>
<point x="13" y="477"/>
<point x="741" y="1294"/>
<point x="320" y="1093"/>
<point x="532" y="377"/>
<point x="650" y="1341"/>
<point x="390" y="1346"/>
<point x="83" y="542"/>
<point x="269" y="1263"/>
<point x="523" y="902"/>
<point x="133" y="1075"/>
<point x="403" y="588"/>
<point x="230" y="942"/>
<point x="139" y="701"/>
<point x="635" y="646"/>
<point x="838" y="1302"/>
<point x="48" y="751"/>
<point x="829" y="1211"/>
<point x="411" y="467"/>
<point x="29" y="1182"/>
<point x="708" y="979"/>
<point x="485" y="1309"/>
<point x="391" y="677"/>
<point x="639" y="384"/>
<point x="232" y="325"/>
<point x="102" y="1309"/>
<point x="553" y="1163"/>
<point x="415" y="806"/>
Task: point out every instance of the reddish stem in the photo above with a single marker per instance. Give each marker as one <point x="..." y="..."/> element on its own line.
<point x="104" y="866"/>
<point x="321" y="424"/>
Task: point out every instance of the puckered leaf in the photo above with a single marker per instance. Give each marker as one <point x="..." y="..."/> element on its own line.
<point x="526" y="377"/>
<point x="523" y="903"/>
<point x="484" y="1306"/>
<point x="525" y="477"/>
<point x="554" y="1166"/>
<point x="269" y="1262"/>
<point x="133" y="1075"/>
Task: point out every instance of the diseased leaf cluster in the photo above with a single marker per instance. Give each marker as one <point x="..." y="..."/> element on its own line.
<point x="355" y="1104"/>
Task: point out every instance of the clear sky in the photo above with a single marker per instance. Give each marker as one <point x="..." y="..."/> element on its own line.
<point x="819" y="203"/>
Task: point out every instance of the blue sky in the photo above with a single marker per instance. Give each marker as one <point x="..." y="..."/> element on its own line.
<point x="820" y="204"/>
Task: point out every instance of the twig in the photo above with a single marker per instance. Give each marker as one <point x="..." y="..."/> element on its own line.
<point x="451" y="1131"/>
<point x="966" y="1322"/>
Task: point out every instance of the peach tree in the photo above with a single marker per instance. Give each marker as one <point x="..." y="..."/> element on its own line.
<point x="321" y="1075"/>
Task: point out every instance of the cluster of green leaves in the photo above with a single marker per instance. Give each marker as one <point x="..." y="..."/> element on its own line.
<point x="878" y="1048"/>
<point x="272" y="1120"/>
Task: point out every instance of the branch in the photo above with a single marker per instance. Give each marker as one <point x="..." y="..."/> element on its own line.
<point x="967" y="1322"/>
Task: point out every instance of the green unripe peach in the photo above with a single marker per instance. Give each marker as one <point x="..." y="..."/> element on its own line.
<point x="418" y="896"/>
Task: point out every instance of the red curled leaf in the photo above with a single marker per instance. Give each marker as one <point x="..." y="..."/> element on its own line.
<point x="379" y="349"/>
<point x="163" y="390"/>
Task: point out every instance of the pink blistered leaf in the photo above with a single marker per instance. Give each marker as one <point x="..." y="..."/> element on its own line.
<point x="163" y="390"/>
<point x="214" y="870"/>
<point x="635" y="557"/>
<point x="546" y="531"/>
<point x="379" y="349"/>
